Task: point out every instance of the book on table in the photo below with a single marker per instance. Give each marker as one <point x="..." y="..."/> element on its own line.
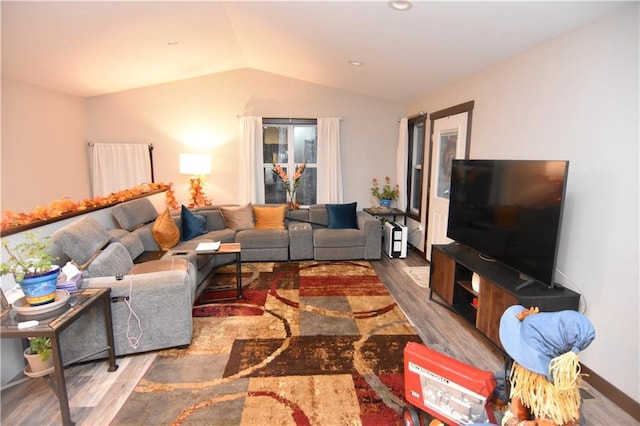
<point x="208" y="246"/>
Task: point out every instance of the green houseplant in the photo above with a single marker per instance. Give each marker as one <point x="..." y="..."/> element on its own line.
<point x="31" y="264"/>
<point x="41" y="346"/>
<point x="38" y="355"/>
<point x="386" y="193"/>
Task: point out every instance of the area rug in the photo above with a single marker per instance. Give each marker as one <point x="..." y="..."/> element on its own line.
<point x="310" y="344"/>
<point x="419" y="274"/>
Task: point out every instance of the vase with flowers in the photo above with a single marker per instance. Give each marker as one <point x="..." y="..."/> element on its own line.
<point x="385" y="194"/>
<point x="290" y="186"/>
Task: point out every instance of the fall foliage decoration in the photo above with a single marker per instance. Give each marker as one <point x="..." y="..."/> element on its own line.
<point x="66" y="206"/>
<point x="171" y="197"/>
<point x="197" y="193"/>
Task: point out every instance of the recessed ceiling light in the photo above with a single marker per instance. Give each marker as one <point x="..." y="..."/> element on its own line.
<point x="172" y="42"/>
<point x="400" y="4"/>
<point x="355" y="63"/>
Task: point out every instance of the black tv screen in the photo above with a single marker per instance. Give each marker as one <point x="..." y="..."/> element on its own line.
<point x="510" y="211"/>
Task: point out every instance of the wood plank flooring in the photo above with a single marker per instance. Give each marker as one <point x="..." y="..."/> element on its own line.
<point x="95" y="395"/>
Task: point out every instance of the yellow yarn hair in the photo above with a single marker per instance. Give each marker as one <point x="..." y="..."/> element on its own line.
<point x="558" y="401"/>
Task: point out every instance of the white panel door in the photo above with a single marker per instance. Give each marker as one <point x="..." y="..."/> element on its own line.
<point x="449" y="142"/>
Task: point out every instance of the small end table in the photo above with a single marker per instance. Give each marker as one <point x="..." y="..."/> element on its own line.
<point x="78" y="304"/>
<point x="229" y="248"/>
<point x="382" y="212"/>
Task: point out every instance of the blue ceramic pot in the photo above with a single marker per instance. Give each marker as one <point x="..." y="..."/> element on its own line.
<point x="385" y="202"/>
<point x="40" y="289"/>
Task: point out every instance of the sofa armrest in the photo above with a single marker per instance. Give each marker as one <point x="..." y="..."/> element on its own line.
<point x="161" y="300"/>
<point x="372" y="229"/>
<point x="169" y="282"/>
<point x="300" y="240"/>
<point x="186" y="254"/>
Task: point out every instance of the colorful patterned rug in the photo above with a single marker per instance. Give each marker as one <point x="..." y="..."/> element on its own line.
<point x="310" y="344"/>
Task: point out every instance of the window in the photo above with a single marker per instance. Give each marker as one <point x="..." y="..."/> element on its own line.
<point x="415" y="167"/>
<point x="281" y="137"/>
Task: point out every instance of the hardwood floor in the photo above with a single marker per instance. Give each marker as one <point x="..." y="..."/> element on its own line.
<point x="95" y="395"/>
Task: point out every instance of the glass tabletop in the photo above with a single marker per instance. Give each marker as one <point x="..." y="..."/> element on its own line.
<point x="75" y="303"/>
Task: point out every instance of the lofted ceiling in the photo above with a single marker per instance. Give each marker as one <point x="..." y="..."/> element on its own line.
<point x="89" y="48"/>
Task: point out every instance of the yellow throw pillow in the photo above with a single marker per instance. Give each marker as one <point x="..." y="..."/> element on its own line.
<point x="165" y="231"/>
<point x="270" y="217"/>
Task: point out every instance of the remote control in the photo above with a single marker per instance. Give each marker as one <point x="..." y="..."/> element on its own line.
<point x="27" y="324"/>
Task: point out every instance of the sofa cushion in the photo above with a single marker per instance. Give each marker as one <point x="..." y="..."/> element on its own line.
<point x="301" y="215"/>
<point x="238" y="218"/>
<point x="333" y="238"/>
<point x="270" y="217"/>
<point x="114" y="259"/>
<point x="193" y="224"/>
<point x="130" y="240"/>
<point x="318" y="215"/>
<point x="263" y="238"/>
<point x="165" y="231"/>
<point x="214" y="219"/>
<point x="82" y="239"/>
<point x="342" y="216"/>
<point x="134" y="213"/>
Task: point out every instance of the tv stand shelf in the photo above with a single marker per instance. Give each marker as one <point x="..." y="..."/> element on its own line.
<point x="452" y="269"/>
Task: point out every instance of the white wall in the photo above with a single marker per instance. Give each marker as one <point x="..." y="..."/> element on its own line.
<point x="576" y="98"/>
<point x="201" y="115"/>
<point x="44" y="151"/>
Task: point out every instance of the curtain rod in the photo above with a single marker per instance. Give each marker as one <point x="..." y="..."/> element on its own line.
<point x="290" y="118"/>
<point x="420" y="113"/>
<point x="93" y="143"/>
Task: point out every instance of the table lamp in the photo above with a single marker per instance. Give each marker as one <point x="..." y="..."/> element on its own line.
<point x="196" y="165"/>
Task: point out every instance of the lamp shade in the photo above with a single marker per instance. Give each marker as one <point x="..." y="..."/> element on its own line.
<point x="195" y="164"/>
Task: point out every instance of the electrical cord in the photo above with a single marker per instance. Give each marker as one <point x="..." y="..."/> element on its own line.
<point x="134" y="342"/>
<point x="576" y="287"/>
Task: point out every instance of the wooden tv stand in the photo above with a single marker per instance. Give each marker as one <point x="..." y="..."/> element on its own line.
<point x="452" y="267"/>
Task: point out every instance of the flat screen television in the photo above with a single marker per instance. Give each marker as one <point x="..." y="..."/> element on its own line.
<point x="510" y="211"/>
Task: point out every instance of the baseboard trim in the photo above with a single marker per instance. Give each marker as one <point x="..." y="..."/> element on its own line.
<point x="622" y="400"/>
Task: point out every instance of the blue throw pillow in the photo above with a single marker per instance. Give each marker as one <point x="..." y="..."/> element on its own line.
<point x="342" y="215"/>
<point x="192" y="224"/>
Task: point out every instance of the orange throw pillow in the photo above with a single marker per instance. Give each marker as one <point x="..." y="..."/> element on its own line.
<point x="270" y="217"/>
<point x="165" y="231"/>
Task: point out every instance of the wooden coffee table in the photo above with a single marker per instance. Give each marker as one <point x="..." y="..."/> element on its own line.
<point x="229" y="248"/>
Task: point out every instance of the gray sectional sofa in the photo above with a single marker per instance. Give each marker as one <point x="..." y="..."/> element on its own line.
<point x="152" y="299"/>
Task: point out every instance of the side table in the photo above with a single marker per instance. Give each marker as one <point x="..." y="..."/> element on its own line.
<point x="384" y="213"/>
<point x="229" y="248"/>
<point x="78" y="304"/>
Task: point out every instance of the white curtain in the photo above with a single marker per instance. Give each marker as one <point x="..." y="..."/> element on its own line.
<point x="329" y="162"/>
<point x="251" y="182"/>
<point x="401" y="162"/>
<point x="118" y="166"/>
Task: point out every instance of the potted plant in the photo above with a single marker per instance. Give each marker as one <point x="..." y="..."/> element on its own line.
<point x="31" y="264"/>
<point x="38" y="354"/>
<point x="387" y="193"/>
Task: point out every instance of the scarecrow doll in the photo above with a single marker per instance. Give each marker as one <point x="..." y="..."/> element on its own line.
<point x="545" y="373"/>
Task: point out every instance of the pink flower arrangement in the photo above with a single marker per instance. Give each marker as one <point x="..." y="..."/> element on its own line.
<point x="386" y="192"/>
<point x="286" y="184"/>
